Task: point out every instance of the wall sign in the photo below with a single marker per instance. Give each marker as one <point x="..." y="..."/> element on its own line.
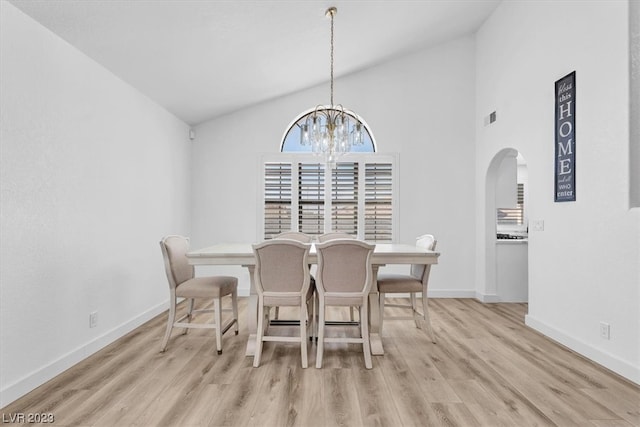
<point x="565" y="141"/>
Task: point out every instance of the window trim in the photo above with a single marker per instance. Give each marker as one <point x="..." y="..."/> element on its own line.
<point x="296" y="158"/>
<point x="311" y="110"/>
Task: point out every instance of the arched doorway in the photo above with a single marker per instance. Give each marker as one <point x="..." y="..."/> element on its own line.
<point x="506" y="228"/>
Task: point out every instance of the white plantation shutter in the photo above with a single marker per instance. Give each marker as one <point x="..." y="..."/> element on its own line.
<point x="277" y="198"/>
<point x="344" y="198"/>
<point x="311" y="198"/>
<point x="356" y="196"/>
<point x="378" y="201"/>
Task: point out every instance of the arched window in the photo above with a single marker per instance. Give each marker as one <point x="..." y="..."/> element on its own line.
<point x="355" y="194"/>
<point x="291" y="142"/>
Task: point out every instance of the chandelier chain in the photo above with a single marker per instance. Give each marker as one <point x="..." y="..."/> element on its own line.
<point x="332" y="58"/>
<point x="331" y="130"/>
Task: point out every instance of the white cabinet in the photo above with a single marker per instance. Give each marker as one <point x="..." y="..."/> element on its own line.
<point x="512" y="270"/>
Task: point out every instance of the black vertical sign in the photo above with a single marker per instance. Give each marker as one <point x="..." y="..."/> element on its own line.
<point x="565" y="122"/>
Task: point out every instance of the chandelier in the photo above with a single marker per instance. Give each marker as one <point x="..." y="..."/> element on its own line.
<point x="331" y="130"/>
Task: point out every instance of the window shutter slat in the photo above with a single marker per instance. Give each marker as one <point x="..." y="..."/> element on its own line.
<point x="344" y="198"/>
<point x="311" y="198"/>
<point x="277" y="198"/>
<point x="378" y="202"/>
<point x="512" y="216"/>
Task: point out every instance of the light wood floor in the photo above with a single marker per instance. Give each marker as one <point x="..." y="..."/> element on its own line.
<point x="487" y="369"/>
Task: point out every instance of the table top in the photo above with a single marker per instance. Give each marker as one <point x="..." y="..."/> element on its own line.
<point x="242" y="254"/>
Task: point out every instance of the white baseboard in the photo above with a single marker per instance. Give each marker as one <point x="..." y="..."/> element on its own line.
<point x="31" y="381"/>
<point x="489" y="298"/>
<point x="450" y="293"/>
<point x="611" y="362"/>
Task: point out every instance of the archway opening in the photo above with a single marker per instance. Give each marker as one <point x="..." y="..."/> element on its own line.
<point x="506" y="228"/>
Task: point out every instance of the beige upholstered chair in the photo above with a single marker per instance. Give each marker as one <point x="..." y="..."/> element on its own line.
<point x="334" y="235"/>
<point x="282" y="278"/>
<point x="344" y="278"/>
<point x="416" y="281"/>
<point x="292" y="235"/>
<point x="183" y="284"/>
<point x="295" y="235"/>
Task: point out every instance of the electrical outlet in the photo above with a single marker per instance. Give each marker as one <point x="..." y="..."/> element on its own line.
<point x="605" y="330"/>
<point x="93" y="319"/>
<point x="538" y="225"/>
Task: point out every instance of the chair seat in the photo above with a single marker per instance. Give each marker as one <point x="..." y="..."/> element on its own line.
<point x="396" y="283"/>
<point x="203" y="287"/>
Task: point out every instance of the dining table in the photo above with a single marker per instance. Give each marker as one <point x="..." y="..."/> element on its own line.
<point x="384" y="254"/>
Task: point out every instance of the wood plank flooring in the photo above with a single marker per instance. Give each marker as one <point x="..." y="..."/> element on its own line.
<point x="487" y="369"/>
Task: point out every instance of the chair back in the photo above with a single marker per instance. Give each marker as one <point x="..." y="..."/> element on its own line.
<point x="294" y="235"/>
<point x="334" y="235"/>
<point x="344" y="266"/>
<point x="176" y="265"/>
<point x="282" y="266"/>
<point x="421" y="271"/>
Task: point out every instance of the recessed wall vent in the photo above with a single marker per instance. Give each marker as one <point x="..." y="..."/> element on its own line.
<point x="490" y="118"/>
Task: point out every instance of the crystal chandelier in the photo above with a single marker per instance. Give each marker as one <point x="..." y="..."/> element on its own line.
<point x="331" y="130"/>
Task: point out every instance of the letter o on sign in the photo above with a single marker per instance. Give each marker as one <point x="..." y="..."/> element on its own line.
<point x="562" y="131"/>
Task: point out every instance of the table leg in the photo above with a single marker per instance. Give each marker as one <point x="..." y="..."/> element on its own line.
<point x="252" y="314"/>
<point x="374" y="316"/>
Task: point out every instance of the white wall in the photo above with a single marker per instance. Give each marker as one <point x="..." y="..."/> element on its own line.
<point x="634" y="117"/>
<point x="92" y="175"/>
<point x="421" y="106"/>
<point x="584" y="267"/>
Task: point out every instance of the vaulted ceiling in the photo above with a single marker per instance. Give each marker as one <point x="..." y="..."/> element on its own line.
<point x="204" y="58"/>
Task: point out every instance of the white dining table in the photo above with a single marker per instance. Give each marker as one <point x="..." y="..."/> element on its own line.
<point x="242" y="254"/>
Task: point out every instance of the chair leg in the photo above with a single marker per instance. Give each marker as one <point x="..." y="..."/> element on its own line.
<point x="427" y="318"/>
<point x="381" y="295"/>
<point x="364" y="332"/>
<point x="316" y="311"/>
<point x="234" y="308"/>
<point x="259" y="333"/>
<point x="309" y="319"/>
<point x="320" y="349"/>
<point x="303" y="334"/>
<point x="189" y="314"/>
<point x="217" y="306"/>
<point x="414" y="310"/>
<point x="351" y="317"/>
<point x="172" y="318"/>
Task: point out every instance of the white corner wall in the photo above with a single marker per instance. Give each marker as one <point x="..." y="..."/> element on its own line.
<point x="92" y="175"/>
<point x="584" y="268"/>
<point x="420" y="106"/>
<point x="634" y="117"/>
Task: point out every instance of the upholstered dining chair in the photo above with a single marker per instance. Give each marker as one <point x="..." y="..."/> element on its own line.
<point x="292" y="235"/>
<point x="282" y="278"/>
<point x="334" y="235"/>
<point x="415" y="282"/>
<point x="183" y="284"/>
<point x="344" y="278"/>
<point x="295" y="235"/>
